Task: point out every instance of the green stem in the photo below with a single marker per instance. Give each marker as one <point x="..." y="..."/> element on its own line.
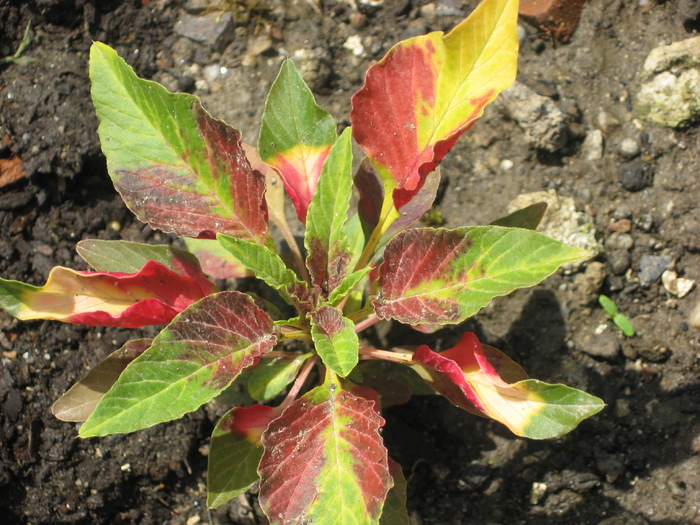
<point x="402" y="357"/>
<point x="386" y="218"/>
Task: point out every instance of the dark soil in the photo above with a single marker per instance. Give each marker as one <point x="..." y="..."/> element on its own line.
<point x="636" y="462"/>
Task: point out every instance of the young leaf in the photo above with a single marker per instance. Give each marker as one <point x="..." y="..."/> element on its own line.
<point x="324" y="461"/>
<point x="269" y="267"/>
<point x="177" y="168"/>
<point x="335" y="339"/>
<point x="193" y="359"/>
<point x="153" y="295"/>
<point x="529" y="217"/>
<point x="129" y="257"/>
<point x="325" y="239"/>
<point x="394" y="511"/>
<point x="235" y="452"/>
<point x="296" y="136"/>
<point x="80" y="401"/>
<point x="271" y="376"/>
<point x="445" y="276"/>
<point x="347" y="284"/>
<point x="428" y="90"/>
<point x="484" y="381"/>
<point x="215" y="260"/>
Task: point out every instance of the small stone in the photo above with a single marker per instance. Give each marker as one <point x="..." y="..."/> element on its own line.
<point x="354" y="44"/>
<point x="652" y="266"/>
<point x="537" y="492"/>
<point x="678" y="286"/>
<point x="620" y="261"/>
<point x="619" y="241"/>
<point x="185" y="84"/>
<point x="449" y="8"/>
<point x="358" y="20"/>
<point x="557" y="17"/>
<point x="607" y="122"/>
<point x="506" y="165"/>
<point x="261" y="45"/>
<point x="636" y="175"/>
<point x="622" y="408"/>
<point x="629" y="148"/>
<point x="214" y="29"/>
<point x="621" y="226"/>
<point x="623" y="211"/>
<point x="644" y="223"/>
<point x="694" y="317"/>
<point x="522" y="33"/>
<point x="589" y="282"/>
<point x="605" y="345"/>
<point x="592" y="147"/>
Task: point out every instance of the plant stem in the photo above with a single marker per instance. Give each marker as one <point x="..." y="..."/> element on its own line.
<point x="370" y="321"/>
<point x="386" y="355"/>
<point x="286" y="232"/>
<point x="298" y="383"/>
<point x="386" y="217"/>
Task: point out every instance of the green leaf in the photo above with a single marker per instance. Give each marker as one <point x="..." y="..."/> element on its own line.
<point x="528" y="217"/>
<point x="624" y="324"/>
<point x="269" y="267"/>
<point x="271" y="376"/>
<point x="446" y="276"/>
<point x="233" y="458"/>
<point x="394" y="511"/>
<point x="324" y="461"/>
<point x="80" y="401"/>
<point x="325" y="238"/>
<point x="608" y="305"/>
<point x="335" y="339"/>
<point x="347" y="284"/>
<point x="296" y="136"/>
<point x="177" y="168"/>
<point x="191" y="361"/>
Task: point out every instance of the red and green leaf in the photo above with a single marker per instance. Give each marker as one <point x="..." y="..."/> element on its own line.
<point x="153" y="295"/>
<point x="486" y="382"/>
<point x="269" y="267"/>
<point x="130" y="257"/>
<point x="80" y="401"/>
<point x="235" y="452"/>
<point x="325" y="238"/>
<point x="445" y="276"/>
<point x="215" y="260"/>
<point x="335" y="339"/>
<point x="177" y="168"/>
<point x="296" y="136"/>
<point x="324" y="461"/>
<point x="428" y="90"/>
<point x="190" y="362"/>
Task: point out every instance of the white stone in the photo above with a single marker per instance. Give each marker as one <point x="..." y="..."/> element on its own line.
<point x="354" y="44"/>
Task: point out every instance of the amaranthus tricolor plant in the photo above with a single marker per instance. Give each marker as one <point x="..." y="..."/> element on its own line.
<point x="316" y="450"/>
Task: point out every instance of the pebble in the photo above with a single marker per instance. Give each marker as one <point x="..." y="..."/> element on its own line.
<point x="354" y="45"/>
<point x="652" y="266"/>
<point x="678" y="286"/>
<point x="694" y="317"/>
<point x="215" y="29"/>
<point x="636" y="175"/>
<point x="592" y="147"/>
<point x="619" y="241"/>
<point x="605" y="345"/>
<point x="629" y="148"/>
<point x="623" y="211"/>
<point x="620" y="261"/>
<point x="607" y="122"/>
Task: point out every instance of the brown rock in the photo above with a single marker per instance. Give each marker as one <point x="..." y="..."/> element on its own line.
<point x="557" y="17"/>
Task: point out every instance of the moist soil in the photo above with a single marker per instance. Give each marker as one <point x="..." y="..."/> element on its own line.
<point x="636" y="462"/>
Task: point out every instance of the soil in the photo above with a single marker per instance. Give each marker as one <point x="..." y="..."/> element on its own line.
<point x="637" y="462"/>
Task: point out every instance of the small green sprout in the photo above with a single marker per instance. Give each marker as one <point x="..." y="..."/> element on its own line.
<point x="619" y="319"/>
<point x="17" y="58"/>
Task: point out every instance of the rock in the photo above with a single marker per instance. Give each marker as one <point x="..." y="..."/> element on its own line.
<point x="694" y="317"/>
<point x="607" y="122"/>
<point x="671" y="95"/>
<point x="557" y="17"/>
<point x="354" y="45"/>
<point x="605" y="345"/>
<point x="625" y="518"/>
<point x="620" y="261"/>
<point x="562" y="221"/>
<point x="214" y="29"/>
<point x="588" y="284"/>
<point x="629" y="148"/>
<point x="592" y="147"/>
<point x="619" y="241"/>
<point x="542" y="121"/>
<point x="678" y="286"/>
<point x="652" y="266"/>
<point x="636" y="175"/>
<point x="623" y="211"/>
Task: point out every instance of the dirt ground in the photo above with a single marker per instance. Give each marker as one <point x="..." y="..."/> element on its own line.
<point x="637" y="462"/>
